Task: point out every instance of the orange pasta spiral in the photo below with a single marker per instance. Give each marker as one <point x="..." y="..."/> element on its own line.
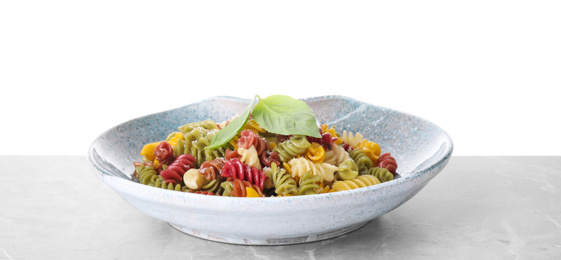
<point x="239" y="188"/>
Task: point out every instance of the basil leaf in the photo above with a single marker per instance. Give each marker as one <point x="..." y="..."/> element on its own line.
<point x="281" y="114"/>
<point x="232" y="129"/>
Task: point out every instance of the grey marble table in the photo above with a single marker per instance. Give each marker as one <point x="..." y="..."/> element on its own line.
<point x="53" y="207"/>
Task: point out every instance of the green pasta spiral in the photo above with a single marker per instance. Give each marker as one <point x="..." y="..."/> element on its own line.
<point x="308" y="184"/>
<point x="228" y="187"/>
<point x="159" y="182"/>
<point x="295" y="146"/>
<point x="146" y="173"/>
<point x="381" y="173"/>
<point x="213" y="186"/>
<point x="362" y="161"/>
<point x="194" y="143"/>
<point x="347" y="170"/>
<point x="284" y="183"/>
<point x="206" y="124"/>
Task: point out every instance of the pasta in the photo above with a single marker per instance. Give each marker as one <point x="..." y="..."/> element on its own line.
<point x="388" y="162"/>
<point x="259" y="163"/>
<point x="194" y="143"/>
<point x="174" y="138"/>
<point x="254" y="150"/>
<point x="164" y="153"/>
<point x="326" y="139"/>
<point x="347" y="170"/>
<point x="358" y="182"/>
<point x="148" y="151"/>
<point x="295" y="146"/>
<point x="371" y="149"/>
<point x="336" y="156"/>
<point x="308" y="184"/>
<point x="228" y="187"/>
<point x="175" y="171"/>
<point x="269" y="157"/>
<point x="237" y="170"/>
<point x="145" y="172"/>
<point x="211" y="169"/>
<point x="203" y="192"/>
<point x="362" y="161"/>
<point x="315" y="153"/>
<point x="159" y="182"/>
<point x="352" y="139"/>
<point x="212" y="186"/>
<point x="206" y="124"/>
<point x="381" y="174"/>
<point x="239" y="188"/>
<point x="254" y="127"/>
<point x="250" y="157"/>
<point x="283" y="183"/>
<point x="333" y="133"/>
<point x="300" y="166"/>
<point x="248" y="139"/>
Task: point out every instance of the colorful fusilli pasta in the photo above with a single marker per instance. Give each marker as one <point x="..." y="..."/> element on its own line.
<point x="258" y="163"/>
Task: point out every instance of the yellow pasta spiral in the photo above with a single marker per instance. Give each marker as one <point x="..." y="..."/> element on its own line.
<point x="371" y="149"/>
<point x="272" y="145"/>
<point x="174" y="139"/>
<point x="315" y="153"/>
<point x="254" y="126"/>
<point x="148" y="151"/>
<point x="358" y="182"/>
<point x="234" y="142"/>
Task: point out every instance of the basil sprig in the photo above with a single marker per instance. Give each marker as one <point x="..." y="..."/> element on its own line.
<point x="279" y="114"/>
<point x="232" y="129"/>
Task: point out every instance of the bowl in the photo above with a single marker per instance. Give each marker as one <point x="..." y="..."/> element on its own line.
<point x="421" y="148"/>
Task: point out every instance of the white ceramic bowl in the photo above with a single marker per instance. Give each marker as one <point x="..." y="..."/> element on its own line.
<point x="421" y="149"/>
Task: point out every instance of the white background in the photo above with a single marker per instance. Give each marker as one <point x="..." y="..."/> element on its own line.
<point x="485" y="71"/>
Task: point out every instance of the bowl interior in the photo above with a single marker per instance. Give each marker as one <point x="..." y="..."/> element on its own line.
<point x="415" y="142"/>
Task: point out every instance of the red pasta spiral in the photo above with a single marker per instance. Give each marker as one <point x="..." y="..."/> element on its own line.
<point x="164" y="153"/>
<point x="175" y="171"/>
<point x="388" y="162"/>
<point x="347" y="147"/>
<point x="237" y="170"/>
<point x="210" y="169"/>
<point x="229" y="154"/>
<point x="326" y="139"/>
<point x="136" y="164"/>
<point x="282" y="138"/>
<point x="204" y="192"/>
<point x="268" y="157"/>
<point x="249" y="138"/>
